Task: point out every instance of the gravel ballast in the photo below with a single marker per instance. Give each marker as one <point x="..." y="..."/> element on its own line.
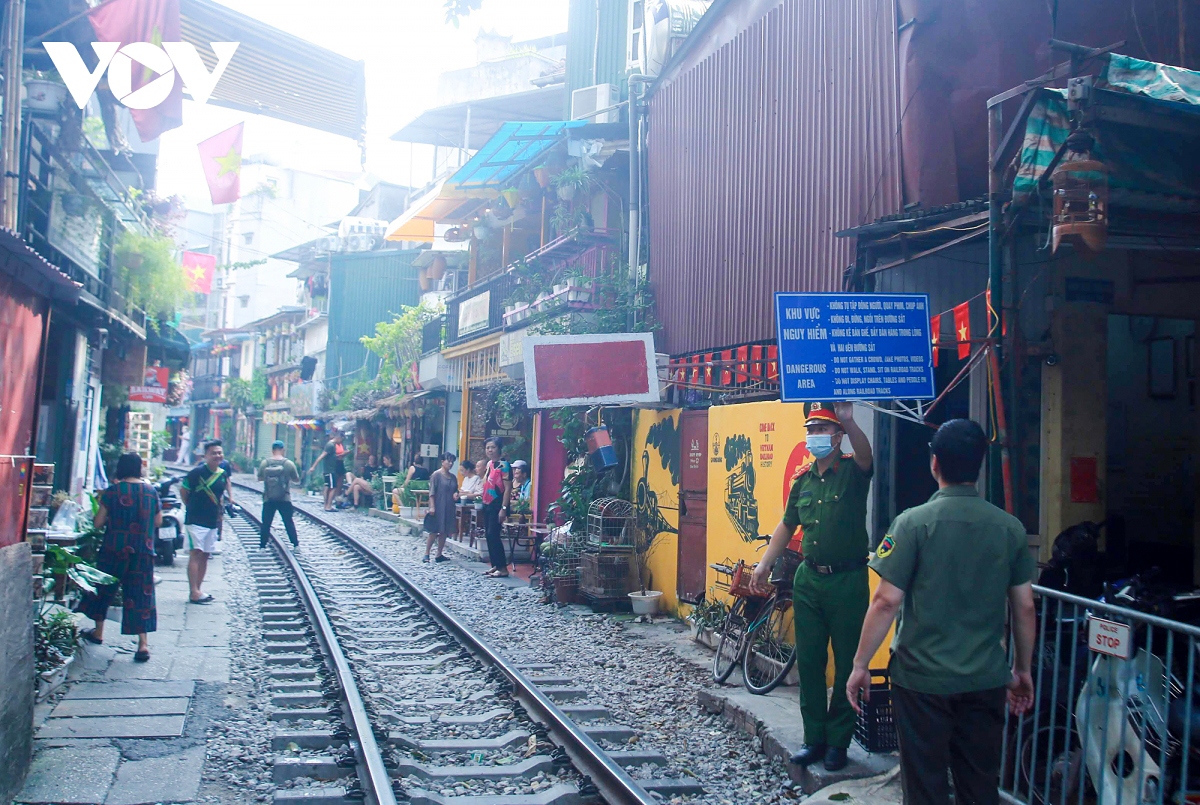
<point x="644" y="684"/>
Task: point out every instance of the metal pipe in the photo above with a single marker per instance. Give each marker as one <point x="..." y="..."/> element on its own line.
<point x="10" y="129"/>
<point x="1002" y="430"/>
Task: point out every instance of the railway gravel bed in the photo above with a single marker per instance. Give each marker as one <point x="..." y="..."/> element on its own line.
<point x="644" y="686"/>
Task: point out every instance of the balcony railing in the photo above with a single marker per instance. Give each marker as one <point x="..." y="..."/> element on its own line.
<point x="498" y="288"/>
<point x="433" y="335"/>
<point x="207" y="388"/>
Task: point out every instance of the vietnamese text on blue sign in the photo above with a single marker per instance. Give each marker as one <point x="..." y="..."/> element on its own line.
<point x="854" y="346"/>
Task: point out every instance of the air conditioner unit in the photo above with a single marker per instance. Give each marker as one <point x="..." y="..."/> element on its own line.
<point x="354" y="225"/>
<point x="360" y="243"/>
<point x="586" y="101"/>
<point x="667" y="23"/>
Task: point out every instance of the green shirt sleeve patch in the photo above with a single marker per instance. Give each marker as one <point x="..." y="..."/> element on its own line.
<point x="885" y="547"/>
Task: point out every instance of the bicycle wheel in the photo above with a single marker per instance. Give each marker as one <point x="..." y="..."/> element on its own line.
<point x="770" y="648"/>
<point x="729" y="649"/>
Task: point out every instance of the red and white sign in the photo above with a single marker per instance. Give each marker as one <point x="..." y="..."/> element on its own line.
<point x="155" y="386"/>
<point x="615" y="369"/>
<point x="1111" y="638"/>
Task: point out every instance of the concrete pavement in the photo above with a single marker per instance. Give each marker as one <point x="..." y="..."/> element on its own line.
<point x="129" y="733"/>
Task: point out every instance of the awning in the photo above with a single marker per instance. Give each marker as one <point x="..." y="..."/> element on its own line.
<point x="277" y="74"/>
<point x="446" y="125"/>
<point x="20" y="261"/>
<point x="304" y="424"/>
<point x="167" y="344"/>
<point x="513" y="148"/>
<point x="442" y="204"/>
<point x="400" y="402"/>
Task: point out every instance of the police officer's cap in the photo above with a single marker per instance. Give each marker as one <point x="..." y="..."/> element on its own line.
<point x="820" y="412"/>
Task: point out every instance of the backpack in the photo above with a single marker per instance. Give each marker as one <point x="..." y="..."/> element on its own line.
<point x="275" y="480"/>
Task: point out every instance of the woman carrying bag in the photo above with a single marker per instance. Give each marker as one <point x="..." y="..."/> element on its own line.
<point x="130" y="514"/>
<point x="497" y="492"/>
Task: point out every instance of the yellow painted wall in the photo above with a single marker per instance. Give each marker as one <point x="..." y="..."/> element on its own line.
<point x="764" y="441"/>
<point x="656" y="459"/>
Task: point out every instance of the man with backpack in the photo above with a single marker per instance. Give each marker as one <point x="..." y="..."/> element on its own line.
<point x="277" y="475"/>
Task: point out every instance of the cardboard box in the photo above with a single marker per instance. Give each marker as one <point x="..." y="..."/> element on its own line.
<point x="40" y="495"/>
<point x="43" y="474"/>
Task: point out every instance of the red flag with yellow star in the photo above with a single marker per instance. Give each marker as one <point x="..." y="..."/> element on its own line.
<point x="153" y="21"/>
<point x="221" y="158"/>
<point x="198" y="269"/>
<point x="962" y="329"/>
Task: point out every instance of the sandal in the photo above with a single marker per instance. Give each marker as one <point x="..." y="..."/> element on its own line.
<point x="425" y="558"/>
<point x="90" y="636"/>
<point x="141" y="656"/>
<point x="208" y="599"/>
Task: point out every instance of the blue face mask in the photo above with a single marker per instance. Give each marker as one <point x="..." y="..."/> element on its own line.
<point x="819" y="444"/>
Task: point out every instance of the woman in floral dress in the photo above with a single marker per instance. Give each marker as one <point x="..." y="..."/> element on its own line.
<point x="130" y="512"/>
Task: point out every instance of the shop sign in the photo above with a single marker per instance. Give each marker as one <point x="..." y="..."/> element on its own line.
<point x="430" y="450"/>
<point x="512" y="353"/>
<point x="154" y="386"/>
<point x="473" y="313"/>
<point x="854" y="346"/>
<point x="608" y="369"/>
<point x="1109" y="637"/>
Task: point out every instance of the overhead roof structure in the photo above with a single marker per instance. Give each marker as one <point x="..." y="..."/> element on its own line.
<point x="446" y="125"/>
<point x="442" y="204"/>
<point x="514" y="147"/>
<point x="276" y="74"/>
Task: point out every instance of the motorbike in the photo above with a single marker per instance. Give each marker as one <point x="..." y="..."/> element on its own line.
<point x="169" y="537"/>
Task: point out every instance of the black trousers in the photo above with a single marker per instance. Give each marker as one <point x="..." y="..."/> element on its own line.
<point x="491" y="522"/>
<point x="284" y="507"/>
<point x="958" y="733"/>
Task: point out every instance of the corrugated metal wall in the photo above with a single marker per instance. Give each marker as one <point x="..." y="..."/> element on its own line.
<point x="758" y="155"/>
<point x="364" y="289"/>
<point x="585" y="50"/>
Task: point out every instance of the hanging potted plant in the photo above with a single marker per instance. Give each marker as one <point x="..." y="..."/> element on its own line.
<point x="571" y="181"/>
<point x="542" y="175"/>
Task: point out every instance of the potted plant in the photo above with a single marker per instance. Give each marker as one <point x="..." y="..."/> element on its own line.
<point x="511" y="196"/>
<point x="570" y="182"/>
<point x="44" y="91"/>
<point x="563" y="575"/>
<point x="578" y="287"/>
<point x="643" y="600"/>
<point x="706" y="616"/>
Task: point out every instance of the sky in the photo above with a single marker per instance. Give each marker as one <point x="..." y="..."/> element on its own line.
<point x="406" y="44"/>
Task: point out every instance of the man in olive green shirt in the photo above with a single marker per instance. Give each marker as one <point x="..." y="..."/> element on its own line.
<point x="950" y="567"/>
<point x="830" y="592"/>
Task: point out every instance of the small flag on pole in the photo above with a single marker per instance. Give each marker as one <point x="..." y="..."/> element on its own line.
<point x="935" y="332"/>
<point x="221" y="158"/>
<point x="198" y="269"/>
<point x="962" y="329"/>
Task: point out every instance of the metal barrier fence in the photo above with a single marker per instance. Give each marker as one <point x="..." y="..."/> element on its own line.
<point x="1112" y="721"/>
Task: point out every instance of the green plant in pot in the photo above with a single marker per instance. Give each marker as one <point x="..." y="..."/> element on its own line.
<point x="571" y="182"/>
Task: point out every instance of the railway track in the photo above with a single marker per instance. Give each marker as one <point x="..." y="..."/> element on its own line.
<point x="379" y="693"/>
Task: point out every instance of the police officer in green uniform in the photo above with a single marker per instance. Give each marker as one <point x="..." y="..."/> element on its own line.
<point x="831" y="592"/>
<point x="952" y="568"/>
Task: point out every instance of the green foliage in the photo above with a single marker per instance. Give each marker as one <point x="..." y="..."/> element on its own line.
<point x="64" y="561"/>
<point x="624" y="303"/>
<point x="506" y="401"/>
<point x="583" y="484"/>
<point x="246" y="394"/>
<point x="397" y="343"/>
<point x="160" y="440"/>
<point x="148" y="272"/>
<point x="54" y="639"/>
<point x="710" y="612"/>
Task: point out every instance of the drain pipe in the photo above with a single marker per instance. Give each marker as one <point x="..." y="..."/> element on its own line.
<point x="635" y="177"/>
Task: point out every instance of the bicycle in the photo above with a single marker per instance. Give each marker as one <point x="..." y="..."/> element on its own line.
<point x="754" y="633"/>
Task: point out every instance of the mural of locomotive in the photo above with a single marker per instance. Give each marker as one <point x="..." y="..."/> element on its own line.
<point x="740" y="503"/>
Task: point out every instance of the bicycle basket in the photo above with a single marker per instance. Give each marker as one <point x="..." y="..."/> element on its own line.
<point x="740" y="585"/>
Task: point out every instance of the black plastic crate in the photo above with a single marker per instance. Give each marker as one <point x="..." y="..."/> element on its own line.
<point x="875" y="726"/>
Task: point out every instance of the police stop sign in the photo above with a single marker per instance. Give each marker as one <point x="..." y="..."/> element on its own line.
<point x="1109" y="637"/>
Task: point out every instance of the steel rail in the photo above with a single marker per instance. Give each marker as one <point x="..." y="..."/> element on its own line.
<point x="614" y="783"/>
<point x="378" y="782"/>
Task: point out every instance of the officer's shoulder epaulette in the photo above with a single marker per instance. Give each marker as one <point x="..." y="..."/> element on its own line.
<point x="800" y="472"/>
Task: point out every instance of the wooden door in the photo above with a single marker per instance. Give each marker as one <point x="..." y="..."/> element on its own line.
<point x="693" y="506"/>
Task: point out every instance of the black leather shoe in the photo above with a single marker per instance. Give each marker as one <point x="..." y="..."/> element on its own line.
<point x="835" y="759"/>
<point x="809" y="754"/>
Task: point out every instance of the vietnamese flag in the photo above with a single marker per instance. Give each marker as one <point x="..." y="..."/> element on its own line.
<point x="198" y="269"/>
<point x="935" y="332"/>
<point x="153" y="21"/>
<point x="221" y="158"/>
<point x="962" y="329"/>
